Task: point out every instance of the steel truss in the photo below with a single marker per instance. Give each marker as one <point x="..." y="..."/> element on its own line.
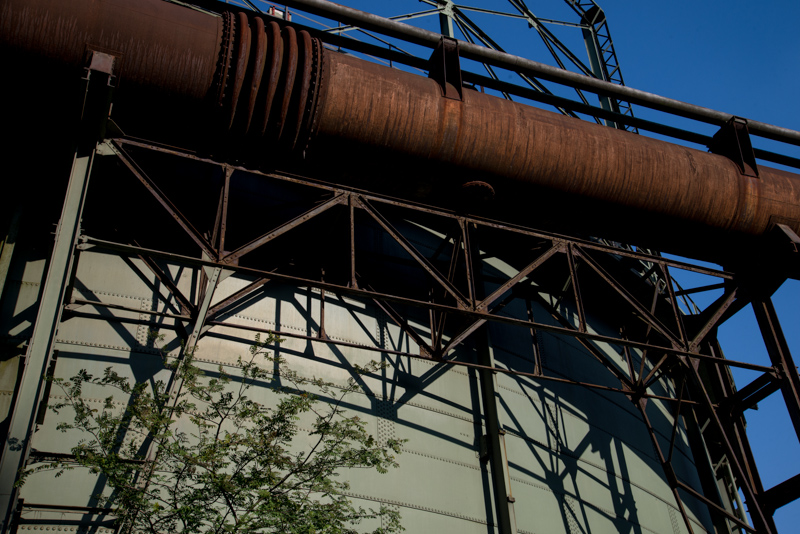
<point x="671" y="344"/>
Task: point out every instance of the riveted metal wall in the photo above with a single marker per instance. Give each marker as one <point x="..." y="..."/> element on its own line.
<point x="577" y="459"/>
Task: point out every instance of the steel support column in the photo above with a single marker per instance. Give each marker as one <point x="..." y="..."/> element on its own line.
<point x="495" y="435"/>
<point x="762" y="521"/>
<point x="596" y="59"/>
<point x="495" y="439"/>
<point x="97" y="87"/>
<point x="213" y="276"/>
<point x="446" y="18"/>
<point x="781" y="357"/>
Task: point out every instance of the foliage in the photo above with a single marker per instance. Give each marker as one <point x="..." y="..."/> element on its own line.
<point x="224" y="462"/>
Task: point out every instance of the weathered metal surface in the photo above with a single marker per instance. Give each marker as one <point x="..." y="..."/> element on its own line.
<point x="376" y="107"/>
<point x="369" y="21"/>
<point x="345" y="108"/>
<point x="162" y="45"/>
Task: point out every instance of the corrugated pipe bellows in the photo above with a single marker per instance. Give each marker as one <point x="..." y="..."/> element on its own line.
<point x="268" y="81"/>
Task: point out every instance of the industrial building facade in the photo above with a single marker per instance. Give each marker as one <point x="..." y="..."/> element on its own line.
<point x="545" y="380"/>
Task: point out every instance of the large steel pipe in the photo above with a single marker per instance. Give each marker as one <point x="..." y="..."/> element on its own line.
<point x="380" y="108"/>
<point x="159" y="44"/>
<point x="274" y="89"/>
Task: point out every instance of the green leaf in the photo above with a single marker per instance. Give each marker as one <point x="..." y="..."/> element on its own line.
<point x="232" y="465"/>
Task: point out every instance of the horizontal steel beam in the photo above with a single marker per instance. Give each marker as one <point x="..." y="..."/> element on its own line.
<point x="442" y="212"/>
<point x="87" y="243"/>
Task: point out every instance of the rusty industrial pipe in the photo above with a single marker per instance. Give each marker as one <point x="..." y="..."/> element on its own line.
<point x="273" y="89"/>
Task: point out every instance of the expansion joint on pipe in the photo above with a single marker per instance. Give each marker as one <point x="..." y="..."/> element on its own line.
<point x="267" y="86"/>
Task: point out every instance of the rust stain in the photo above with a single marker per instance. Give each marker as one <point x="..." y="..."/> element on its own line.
<point x="288" y="93"/>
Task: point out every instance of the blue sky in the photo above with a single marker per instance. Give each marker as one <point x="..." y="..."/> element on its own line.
<point x="740" y="57"/>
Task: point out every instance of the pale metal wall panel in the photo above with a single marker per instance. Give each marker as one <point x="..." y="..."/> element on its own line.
<point x="579" y="459"/>
<point x="20" y="300"/>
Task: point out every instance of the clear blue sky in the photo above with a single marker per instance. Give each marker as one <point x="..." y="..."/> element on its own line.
<point x="741" y="57"/>
<point x="738" y="56"/>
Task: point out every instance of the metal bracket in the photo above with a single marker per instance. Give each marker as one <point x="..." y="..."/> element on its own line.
<point x="783" y="493"/>
<point x="445" y="68"/>
<point x="789" y="239"/>
<point x="100" y="78"/>
<point x="483" y="448"/>
<point x="785" y="243"/>
<point x="102" y="62"/>
<point x="733" y="142"/>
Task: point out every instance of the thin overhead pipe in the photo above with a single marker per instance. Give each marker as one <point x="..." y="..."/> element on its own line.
<point x="540" y="70"/>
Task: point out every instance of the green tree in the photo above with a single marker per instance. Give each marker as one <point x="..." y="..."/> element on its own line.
<point x="224" y="462"/>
